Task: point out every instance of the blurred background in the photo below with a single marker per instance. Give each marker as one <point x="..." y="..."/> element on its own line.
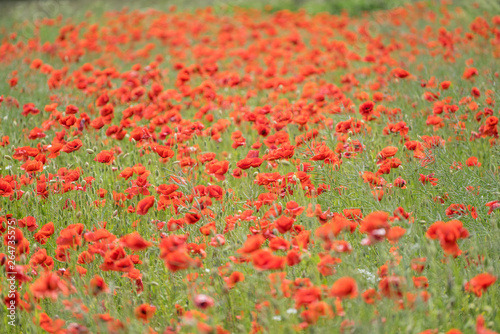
<point x="49" y="8"/>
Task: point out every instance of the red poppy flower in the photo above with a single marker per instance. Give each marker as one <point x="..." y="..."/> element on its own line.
<point x="400" y="73"/>
<point x="32" y="166"/>
<point x="264" y="260"/>
<point x="135" y="242"/>
<point x="105" y="157"/>
<point x="144" y="205"/>
<point x="284" y="224"/>
<point x="72" y="146"/>
<point x="217" y="169"/>
<point x="97" y="286"/>
<point x="144" y="312"/>
<point x="448" y="234"/>
<point x="480" y="283"/>
<point x="6" y="189"/>
<point x="344" y="287"/>
<point x="472" y="161"/>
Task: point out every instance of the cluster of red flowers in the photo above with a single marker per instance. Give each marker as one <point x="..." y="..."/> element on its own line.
<point x="214" y="150"/>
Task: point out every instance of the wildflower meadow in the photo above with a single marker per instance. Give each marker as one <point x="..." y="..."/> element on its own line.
<point x="231" y="169"/>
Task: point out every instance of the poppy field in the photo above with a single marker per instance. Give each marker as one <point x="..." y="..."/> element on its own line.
<point x="252" y="171"/>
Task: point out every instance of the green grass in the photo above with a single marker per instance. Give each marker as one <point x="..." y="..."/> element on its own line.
<point x="449" y="305"/>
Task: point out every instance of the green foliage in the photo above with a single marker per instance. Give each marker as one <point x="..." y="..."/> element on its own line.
<point x="449" y="306"/>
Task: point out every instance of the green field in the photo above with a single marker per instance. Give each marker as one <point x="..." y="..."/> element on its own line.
<point x="250" y="167"/>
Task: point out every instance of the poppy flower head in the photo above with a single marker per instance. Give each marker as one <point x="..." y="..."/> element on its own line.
<point x="97" y="285"/>
<point x="480" y="283"/>
<point x="448" y="234"/>
<point x="135" y="242"/>
<point x="344" y="287"/>
<point x="105" y="157"/>
<point x="145" y="312"/>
